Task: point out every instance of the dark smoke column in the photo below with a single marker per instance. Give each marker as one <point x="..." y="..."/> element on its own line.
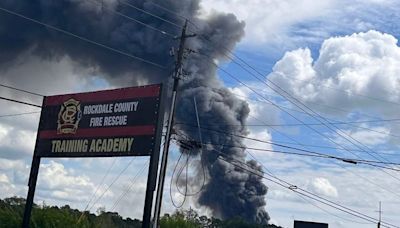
<point x="229" y="191"/>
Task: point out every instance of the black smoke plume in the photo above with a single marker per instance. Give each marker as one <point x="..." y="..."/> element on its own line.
<point x="229" y="191"/>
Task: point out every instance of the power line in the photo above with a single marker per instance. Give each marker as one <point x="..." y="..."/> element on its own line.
<point x="18" y="114"/>
<point x="170" y="11"/>
<point x="83" y="38"/>
<point x="20" y="102"/>
<point x="347" y="92"/>
<point x="112" y="183"/>
<point x="329" y="213"/>
<point x="309" y="153"/>
<point x="133" y="19"/>
<point x="348" y="123"/>
<point x="133" y="181"/>
<point x="293" y="188"/>
<point x="284" y="146"/>
<point x="97" y="188"/>
<point x="295" y="142"/>
<point x="148" y="13"/>
<point x="298" y="111"/>
<point x="296" y="189"/>
<point x="366" y="179"/>
<point x="332" y="121"/>
<point x="21" y="90"/>
<point x="302" y="144"/>
<point x="257" y="140"/>
<point x="300" y="124"/>
<point x="214" y="150"/>
<point x="316" y="154"/>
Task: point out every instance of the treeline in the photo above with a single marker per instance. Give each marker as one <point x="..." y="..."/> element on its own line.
<point x="12" y="210"/>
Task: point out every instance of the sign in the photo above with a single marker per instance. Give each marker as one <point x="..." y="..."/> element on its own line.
<point x="119" y="122"/>
<point x="304" y="224"/>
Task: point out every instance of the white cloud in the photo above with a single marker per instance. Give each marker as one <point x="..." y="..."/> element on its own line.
<point x="322" y="186"/>
<point x="362" y="63"/>
<point x="349" y="71"/>
<point x="59" y="183"/>
<point x="15" y="142"/>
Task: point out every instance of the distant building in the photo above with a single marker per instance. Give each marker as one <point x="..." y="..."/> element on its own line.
<point x="304" y="224"/>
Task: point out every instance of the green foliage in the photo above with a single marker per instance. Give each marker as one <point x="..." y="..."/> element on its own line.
<point x="12" y="209"/>
<point x="43" y="216"/>
<point x="191" y="219"/>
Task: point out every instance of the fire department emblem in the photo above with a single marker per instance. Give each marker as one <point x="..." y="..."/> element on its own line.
<point x="69" y="116"/>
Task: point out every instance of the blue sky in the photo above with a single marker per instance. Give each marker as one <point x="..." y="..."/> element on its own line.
<point x="324" y="53"/>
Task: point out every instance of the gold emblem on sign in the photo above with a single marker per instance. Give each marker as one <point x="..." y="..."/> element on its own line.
<point x="69" y="116"/>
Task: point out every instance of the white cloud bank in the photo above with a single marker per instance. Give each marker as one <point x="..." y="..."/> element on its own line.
<point x="358" y="73"/>
<point x="362" y="63"/>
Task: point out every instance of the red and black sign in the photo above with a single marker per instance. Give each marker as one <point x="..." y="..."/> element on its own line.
<point x="120" y="122"/>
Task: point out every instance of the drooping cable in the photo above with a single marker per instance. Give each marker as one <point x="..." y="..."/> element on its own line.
<point x="172" y="181"/>
<point x="20" y="102"/>
<point x="21" y="90"/>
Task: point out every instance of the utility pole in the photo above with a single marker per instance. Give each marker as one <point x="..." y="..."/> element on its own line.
<point x="164" y="159"/>
<point x="380" y="214"/>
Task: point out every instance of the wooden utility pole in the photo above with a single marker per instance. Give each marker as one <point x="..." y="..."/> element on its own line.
<point x="164" y="159"/>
